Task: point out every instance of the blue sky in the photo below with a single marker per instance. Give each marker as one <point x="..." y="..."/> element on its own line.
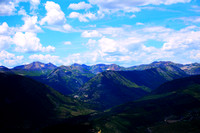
<point x="128" y="32"/>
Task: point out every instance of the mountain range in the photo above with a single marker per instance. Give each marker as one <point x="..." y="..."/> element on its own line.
<point x="85" y="82"/>
<point x="157" y="97"/>
<point x="39" y="68"/>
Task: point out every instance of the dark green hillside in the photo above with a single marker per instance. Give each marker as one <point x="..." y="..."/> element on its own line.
<point x="185" y="84"/>
<point x="152" y="78"/>
<point x="110" y="88"/>
<point x="159" y="112"/>
<point x="27" y="104"/>
<point x="67" y="79"/>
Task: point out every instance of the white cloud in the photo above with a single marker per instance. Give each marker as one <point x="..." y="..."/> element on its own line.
<point x="182" y="40"/>
<point x="10" y="59"/>
<point x="83" y="17"/>
<point x="79" y="6"/>
<point x="22" y="12"/>
<point x="191" y="19"/>
<point x="4" y="28"/>
<point x="138" y="23"/>
<point x="62" y="28"/>
<point x="157" y="29"/>
<point x="107" y="45"/>
<point x="29" y="42"/>
<point x="133" y="16"/>
<point x="67" y="43"/>
<point x="196" y="8"/>
<point x="113" y="31"/>
<point x="73" y="58"/>
<point x="128" y="6"/>
<point x="34" y="4"/>
<point x="91" y="43"/>
<point x="90" y="34"/>
<point x="54" y="16"/>
<point x="5" y="42"/>
<point x="45" y="58"/>
<point x="135" y="46"/>
<point x="30" y="24"/>
<point x="5" y="36"/>
<point x="67" y="27"/>
<point x="7" y="8"/>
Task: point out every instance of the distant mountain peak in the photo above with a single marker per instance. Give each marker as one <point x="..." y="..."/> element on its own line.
<point x="36" y="66"/>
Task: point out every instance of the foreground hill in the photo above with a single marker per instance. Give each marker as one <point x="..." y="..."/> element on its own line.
<point x="27" y="104"/>
<point x="173" y="107"/>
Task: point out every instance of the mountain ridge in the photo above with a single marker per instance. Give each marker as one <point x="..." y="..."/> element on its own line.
<point x="112" y="88"/>
<point x="97" y="68"/>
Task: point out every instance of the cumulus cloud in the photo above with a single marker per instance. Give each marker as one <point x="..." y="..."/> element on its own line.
<point x="79" y="6"/>
<point x="90" y="34"/>
<point x="5" y="36"/>
<point x="45" y="58"/>
<point x="6" y="30"/>
<point x="9" y="59"/>
<point x="135" y="46"/>
<point x="107" y="45"/>
<point x="34" y="4"/>
<point x="67" y="27"/>
<point x="5" y="42"/>
<point x="29" y="42"/>
<point x="83" y="17"/>
<point x="30" y="24"/>
<point x="184" y="39"/>
<point x="91" y="43"/>
<point x="54" y="16"/>
<point x="73" y="58"/>
<point x="7" y="8"/>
